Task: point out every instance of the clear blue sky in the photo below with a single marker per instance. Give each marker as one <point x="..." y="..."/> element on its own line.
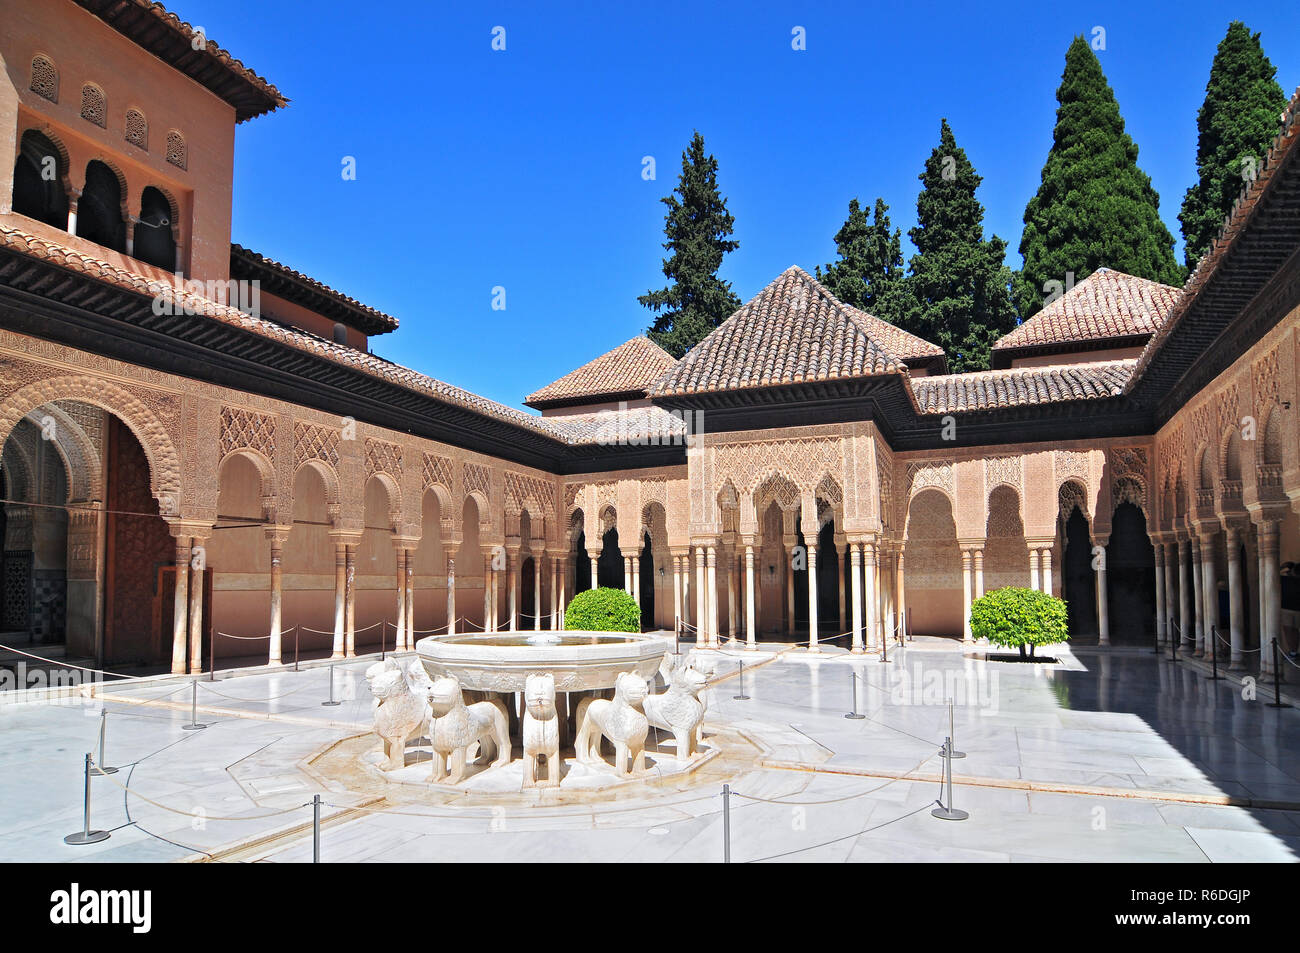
<point x="522" y="168"/>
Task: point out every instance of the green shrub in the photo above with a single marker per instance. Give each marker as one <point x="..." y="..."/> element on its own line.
<point x="603" y="610"/>
<point x="1018" y="618"/>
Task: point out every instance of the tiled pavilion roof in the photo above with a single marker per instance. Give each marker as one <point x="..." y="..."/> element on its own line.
<point x="280" y="279"/>
<point x="628" y="369"/>
<point x="793" y="331"/>
<point x="1105" y="306"/>
<point x="1020" y="387"/>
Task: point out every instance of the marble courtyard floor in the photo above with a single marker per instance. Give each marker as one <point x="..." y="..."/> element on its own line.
<point x="1108" y="755"/>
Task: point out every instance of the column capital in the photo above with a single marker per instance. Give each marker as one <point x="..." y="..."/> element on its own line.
<point x="276" y="534"/>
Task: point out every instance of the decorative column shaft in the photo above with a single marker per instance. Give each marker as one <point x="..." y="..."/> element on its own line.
<point x="1185" y="623"/>
<point x="340" y="600"/>
<point x="965" y="595"/>
<point x="1198" y="594"/>
<point x="451" y="595"/>
<point x="855" y="587"/>
<point x="1103" y="599"/>
<point x="1047" y="571"/>
<point x="813" y="645"/>
<point x="400" y="643"/>
<point x="712" y="581"/>
<point x="751" y="615"/>
<point x="197" y="566"/>
<point x="1270" y="588"/>
<point x="701" y="624"/>
<point x="1160" y="593"/>
<point x="537" y="592"/>
<point x="1236" y="611"/>
<point x="181" y="611"/>
<point x="273" y="651"/>
<point x="1033" y="570"/>
<point x="351" y="601"/>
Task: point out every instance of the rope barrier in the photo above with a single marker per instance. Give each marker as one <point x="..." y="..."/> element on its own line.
<point x="64" y="664"/>
<point x="836" y="840"/>
<point x="244" y="638"/>
<point x="840" y="800"/>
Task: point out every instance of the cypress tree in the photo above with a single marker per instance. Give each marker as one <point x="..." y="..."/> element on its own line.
<point x="1236" y="122"/>
<point x="959" y="285"/>
<point x="698" y="227"/>
<point x="1095" y="207"/>
<point x="869" y="272"/>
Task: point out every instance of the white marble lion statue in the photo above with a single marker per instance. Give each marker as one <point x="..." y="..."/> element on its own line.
<point x="541" y="731"/>
<point x="621" y="721"/>
<point x="680" y="709"/>
<point x="401" y="706"/>
<point x="455" y="726"/>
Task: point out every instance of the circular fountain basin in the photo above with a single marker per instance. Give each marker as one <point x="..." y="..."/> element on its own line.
<point x="580" y="661"/>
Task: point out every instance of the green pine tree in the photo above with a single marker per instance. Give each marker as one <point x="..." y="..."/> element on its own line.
<point x="698" y="227"/>
<point x="959" y="285"/>
<point x="869" y="272"/>
<point x="1095" y="207"/>
<point x="1236" y="123"/>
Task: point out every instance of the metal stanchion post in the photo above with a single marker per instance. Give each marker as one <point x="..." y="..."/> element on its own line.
<point x="1175" y="635"/>
<point x="726" y="823"/>
<point x="853" y="684"/>
<point x="884" y="646"/>
<point x="952" y="733"/>
<point x="1214" y="656"/>
<point x="86" y="835"/>
<point x="194" y="709"/>
<point x="907" y="615"/>
<point x="296" y="630"/>
<point x="742" y="697"/>
<point x="948" y="812"/>
<point x="103" y="718"/>
<point x="331" y="703"/>
<point x="315" y="829"/>
<point x="1277" y="680"/>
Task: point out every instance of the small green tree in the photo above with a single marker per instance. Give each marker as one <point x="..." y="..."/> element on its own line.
<point x="603" y="610"/>
<point x="1019" y="618"/>
<point x="869" y="271"/>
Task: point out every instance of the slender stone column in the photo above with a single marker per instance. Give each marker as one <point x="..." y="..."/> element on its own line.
<point x="712" y="595"/>
<point x="732" y="621"/>
<point x="634" y="567"/>
<point x="978" y="557"/>
<point x="701" y="589"/>
<point x="1103" y="599"/>
<point x="751" y="613"/>
<point x="276" y="540"/>
<point x="487" y="591"/>
<point x="181" y="611"/>
<point x="1160" y="592"/>
<point x="410" y="600"/>
<point x="451" y="594"/>
<point x="340" y="599"/>
<point x="350" y="600"/>
<point x="1185" y="624"/>
<point x="813" y="645"/>
<point x="841" y="564"/>
<point x="686" y="585"/>
<point x="789" y="543"/>
<point x="1271" y="589"/>
<point x="965" y="595"/>
<point x="198" y="563"/>
<point x="1198" y="594"/>
<point x="1047" y="570"/>
<point x="871" y="585"/>
<point x="1210" y="587"/>
<point x="400" y="643"/>
<point x="514" y="566"/>
<point x="1236" y="613"/>
<point x="537" y="591"/>
<point x="855" y="586"/>
<point x="1171" y="590"/>
<point x="900" y="595"/>
<point x="1033" y="570"/>
<point x="677" y="591"/>
<point x="594" y="556"/>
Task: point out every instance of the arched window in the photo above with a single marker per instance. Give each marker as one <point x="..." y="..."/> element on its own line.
<point x="45" y="78"/>
<point x="94" y="106"/>
<point x="154" y="244"/>
<point x="176" y="149"/>
<point x="137" y="129"/>
<point x="99" y="213"/>
<point x="38" y="181"/>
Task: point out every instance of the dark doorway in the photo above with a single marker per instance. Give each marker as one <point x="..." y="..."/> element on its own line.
<point x="1078" y="581"/>
<point x="647" y="570"/>
<point x="1130" y="579"/>
<point x="581" y="566"/>
<point x="527" y="588"/>
<point x="609" y="567"/>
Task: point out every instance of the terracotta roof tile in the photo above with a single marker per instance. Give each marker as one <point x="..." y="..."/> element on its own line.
<point x="246" y="263"/>
<point x="30" y="245"/>
<point x="631" y="367"/>
<point x="1019" y="387"/>
<point x="793" y="331"/>
<point x="1106" y="304"/>
<point x="633" y="426"/>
